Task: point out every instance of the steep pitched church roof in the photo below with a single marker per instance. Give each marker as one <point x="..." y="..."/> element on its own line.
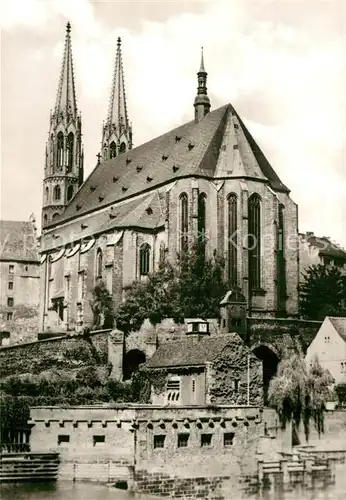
<point x="192" y="149"/>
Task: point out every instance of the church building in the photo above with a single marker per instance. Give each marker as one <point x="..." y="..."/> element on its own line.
<point x="208" y="178"/>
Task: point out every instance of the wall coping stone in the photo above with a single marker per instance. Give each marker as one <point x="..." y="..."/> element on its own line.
<point x="56" y="339"/>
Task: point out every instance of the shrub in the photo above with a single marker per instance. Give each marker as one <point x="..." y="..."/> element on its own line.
<point x="340" y="390"/>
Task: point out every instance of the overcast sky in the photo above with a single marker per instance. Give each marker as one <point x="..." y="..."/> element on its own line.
<point x="281" y="63"/>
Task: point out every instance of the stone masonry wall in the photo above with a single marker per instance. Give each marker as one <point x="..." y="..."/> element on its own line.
<point x="61" y="353"/>
<point x="126" y="436"/>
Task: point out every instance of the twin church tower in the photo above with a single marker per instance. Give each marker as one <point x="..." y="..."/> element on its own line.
<point x="63" y="172"/>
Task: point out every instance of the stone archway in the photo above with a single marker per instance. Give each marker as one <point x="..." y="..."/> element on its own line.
<point x="132" y="360"/>
<point x="270" y="359"/>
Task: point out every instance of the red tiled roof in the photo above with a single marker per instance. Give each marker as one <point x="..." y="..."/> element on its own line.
<point x="18" y="241"/>
<point x="191" y="149"/>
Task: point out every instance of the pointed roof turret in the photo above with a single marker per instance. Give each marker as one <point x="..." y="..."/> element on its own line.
<point x="202" y="102"/>
<point x="117" y="113"/>
<point x="66" y="96"/>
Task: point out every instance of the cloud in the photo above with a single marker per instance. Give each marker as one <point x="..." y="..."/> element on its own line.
<point x="279" y="63"/>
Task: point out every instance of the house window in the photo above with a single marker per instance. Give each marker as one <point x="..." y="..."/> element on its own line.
<point x="201" y="219"/>
<point x="99" y="263"/>
<point x="70" y="146"/>
<point x="56" y="193"/>
<point x="173" y="390"/>
<point x="98" y="440"/>
<point x="159" y="441"/>
<point x="10" y="285"/>
<point x="60" y="149"/>
<point x="343" y="367"/>
<point x="63" y="438"/>
<point x="206" y="440"/>
<point x="10" y="301"/>
<point x="254" y="241"/>
<point x="228" y="438"/>
<point x="184" y="222"/>
<point x="11" y="268"/>
<point x="327" y="340"/>
<point x="9" y="316"/>
<point x="232" y="239"/>
<point x="112" y="150"/>
<point x="144" y="259"/>
<point x="183" y="440"/>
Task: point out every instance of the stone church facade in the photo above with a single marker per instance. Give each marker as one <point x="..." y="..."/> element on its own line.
<point x="207" y="178"/>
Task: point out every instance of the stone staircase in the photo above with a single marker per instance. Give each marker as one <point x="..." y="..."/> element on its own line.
<point x="18" y="467"/>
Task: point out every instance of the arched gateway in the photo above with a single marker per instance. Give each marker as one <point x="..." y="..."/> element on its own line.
<point x="270" y="359"/>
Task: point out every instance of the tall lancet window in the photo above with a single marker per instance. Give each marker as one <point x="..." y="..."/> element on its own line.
<point x="144" y="259"/>
<point x="184" y="222"/>
<point x="122" y="148"/>
<point x="70" y="147"/>
<point x="201" y="221"/>
<point x="60" y="149"/>
<point x="281" y="265"/>
<point x="254" y="241"/>
<point x="112" y="150"/>
<point x="99" y="263"/>
<point x="232" y="239"/>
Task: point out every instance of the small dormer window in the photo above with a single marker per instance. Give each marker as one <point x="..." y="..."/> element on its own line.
<point x="173" y="390"/>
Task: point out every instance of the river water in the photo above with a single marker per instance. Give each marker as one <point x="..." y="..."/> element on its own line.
<point x="67" y="490"/>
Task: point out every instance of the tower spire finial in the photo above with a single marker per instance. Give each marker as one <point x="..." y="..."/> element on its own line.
<point x="66" y="96"/>
<point x="202" y="102"/>
<point x="202" y="69"/>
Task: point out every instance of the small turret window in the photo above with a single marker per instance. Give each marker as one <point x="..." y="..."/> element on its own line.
<point x="70" y="146"/>
<point x="69" y="193"/>
<point x="60" y="149"/>
<point x="57" y="193"/>
<point x="112" y="150"/>
<point x="55" y="215"/>
<point x="122" y="148"/>
<point x="45" y="220"/>
<point x="46" y="194"/>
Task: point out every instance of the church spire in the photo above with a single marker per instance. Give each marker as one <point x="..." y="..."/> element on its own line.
<point x="63" y="170"/>
<point x="66" y="103"/>
<point x="117" y="132"/>
<point x="202" y="102"/>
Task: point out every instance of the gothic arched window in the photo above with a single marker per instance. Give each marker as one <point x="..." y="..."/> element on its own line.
<point x="281" y="264"/>
<point x="144" y="259"/>
<point x="60" y="149"/>
<point x="112" y="150"/>
<point x="45" y="219"/>
<point x="55" y="215"/>
<point x="254" y="241"/>
<point x="69" y="193"/>
<point x="162" y="254"/>
<point x="70" y="147"/>
<point x="122" y="148"/>
<point x="184" y="222"/>
<point x="57" y="193"/>
<point x="99" y="263"/>
<point x="232" y="239"/>
<point x="46" y="193"/>
<point x="201" y="218"/>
